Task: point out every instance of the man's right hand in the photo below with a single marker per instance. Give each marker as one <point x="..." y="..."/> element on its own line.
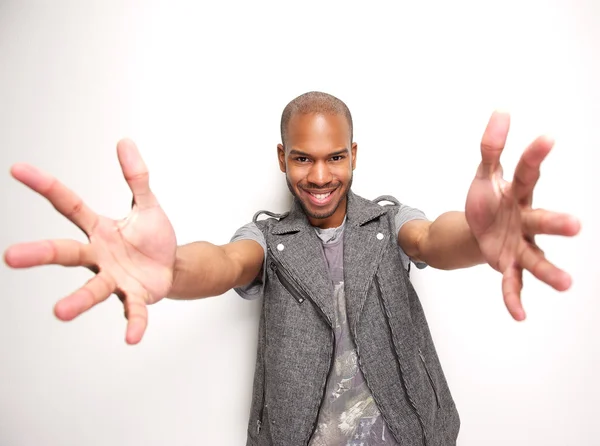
<point x="133" y="258"/>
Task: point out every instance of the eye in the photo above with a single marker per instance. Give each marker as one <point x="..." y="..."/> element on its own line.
<point x="337" y="157"/>
<point x="301" y="159"/>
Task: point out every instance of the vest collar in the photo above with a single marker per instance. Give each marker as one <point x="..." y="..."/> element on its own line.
<point x="359" y="212"/>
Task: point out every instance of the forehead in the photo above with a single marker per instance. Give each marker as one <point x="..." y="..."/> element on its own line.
<point x="316" y="131"/>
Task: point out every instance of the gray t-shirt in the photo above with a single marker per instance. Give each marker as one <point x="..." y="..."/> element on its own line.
<point x="250" y="231"/>
<point x="349" y="415"/>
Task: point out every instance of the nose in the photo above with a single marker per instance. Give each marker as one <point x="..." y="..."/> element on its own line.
<point x="319" y="174"/>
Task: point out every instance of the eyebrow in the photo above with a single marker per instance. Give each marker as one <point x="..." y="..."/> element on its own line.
<point x="300" y="153"/>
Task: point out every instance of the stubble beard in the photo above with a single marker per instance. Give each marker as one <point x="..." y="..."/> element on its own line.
<point x="305" y="208"/>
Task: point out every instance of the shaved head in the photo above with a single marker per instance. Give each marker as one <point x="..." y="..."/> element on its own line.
<point x="314" y="102"/>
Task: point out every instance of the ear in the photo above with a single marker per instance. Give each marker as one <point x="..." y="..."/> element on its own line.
<point x="353" y="151"/>
<point x="281" y="157"/>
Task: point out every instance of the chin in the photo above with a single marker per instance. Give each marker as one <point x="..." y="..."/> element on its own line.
<point x="320" y="213"/>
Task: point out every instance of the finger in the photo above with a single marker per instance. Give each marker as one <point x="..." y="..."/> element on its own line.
<point x="540" y="221"/>
<point x="534" y="261"/>
<point x="527" y="171"/>
<point x="136" y="174"/>
<point x="493" y="142"/>
<point x="136" y="313"/>
<point x="96" y="290"/>
<point x="512" y="284"/>
<point x="63" y="199"/>
<point x="49" y="252"/>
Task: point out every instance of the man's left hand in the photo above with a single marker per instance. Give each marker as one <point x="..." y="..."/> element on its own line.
<point x="502" y="219"/>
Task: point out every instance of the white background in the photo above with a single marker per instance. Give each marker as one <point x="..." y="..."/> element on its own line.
<point x="200" y="87"/>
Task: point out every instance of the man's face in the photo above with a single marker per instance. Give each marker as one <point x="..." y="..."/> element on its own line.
<point x="318" y="161"/>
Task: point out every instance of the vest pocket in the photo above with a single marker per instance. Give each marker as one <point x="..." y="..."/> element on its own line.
<point x="286" y="281"/>
<point x="437" y="400"/>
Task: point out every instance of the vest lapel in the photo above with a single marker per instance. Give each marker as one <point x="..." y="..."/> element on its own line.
<point x="296" y="246"/>
<point x="365" y="239"/>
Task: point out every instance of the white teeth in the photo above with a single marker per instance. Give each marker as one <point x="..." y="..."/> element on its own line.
<point x="321" y="196"/>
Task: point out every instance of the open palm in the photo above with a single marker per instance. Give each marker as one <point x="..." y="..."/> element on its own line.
<point x="133" y="258"/>
<point x="502" y="219"/>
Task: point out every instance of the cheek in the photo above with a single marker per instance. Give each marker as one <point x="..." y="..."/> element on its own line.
<point x="294" y="176"/>
<point x="342" y="173"/>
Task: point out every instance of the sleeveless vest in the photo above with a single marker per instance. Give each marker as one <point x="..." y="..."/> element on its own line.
<point x="395" y="350"/>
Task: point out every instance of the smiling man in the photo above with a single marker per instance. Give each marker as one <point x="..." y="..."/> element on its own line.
<point x="344" y="356"/>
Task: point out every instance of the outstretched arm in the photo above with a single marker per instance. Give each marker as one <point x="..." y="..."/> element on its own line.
<point x="499" y="224"/>
<point x="203" y="269"/>
<point x="446" y="243"/>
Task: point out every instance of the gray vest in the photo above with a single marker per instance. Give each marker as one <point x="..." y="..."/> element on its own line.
<point x="296" y="339"/>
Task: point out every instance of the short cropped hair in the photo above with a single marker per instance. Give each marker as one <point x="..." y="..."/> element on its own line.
<point x="314" y="102"/>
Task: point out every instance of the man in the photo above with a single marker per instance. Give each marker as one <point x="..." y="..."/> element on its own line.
<point x="344" y="355"/>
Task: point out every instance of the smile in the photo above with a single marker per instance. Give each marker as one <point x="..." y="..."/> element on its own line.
<point x="320" y="199"/>
<point x="321" y="196"/>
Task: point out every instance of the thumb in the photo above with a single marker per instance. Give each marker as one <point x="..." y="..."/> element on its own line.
<point x="493" y="142"/>
<point x="135" y="173"/>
